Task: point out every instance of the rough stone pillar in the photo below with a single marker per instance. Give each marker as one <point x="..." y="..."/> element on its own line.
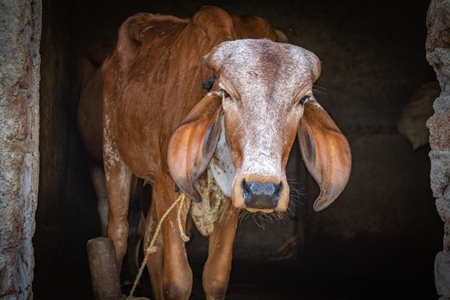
<point x="438" y="55"/>
<point x="20" y="32"/>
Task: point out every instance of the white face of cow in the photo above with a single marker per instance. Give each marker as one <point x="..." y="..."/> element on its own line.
<point x="245" y="127"/>
<point x="263" y="90"/>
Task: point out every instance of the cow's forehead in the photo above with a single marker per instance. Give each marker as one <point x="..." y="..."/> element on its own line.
<point x="263" y="60"/>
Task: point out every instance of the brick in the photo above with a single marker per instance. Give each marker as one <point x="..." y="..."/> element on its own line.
<point x="8" y="274"/>
<point x="440" y="172"/>
<point x="438" y="24"/>
<point x="439" y="59"/>
<point x="442" y="273"/>
<point x="443" y="208"/>
<point x="438" y="124"/>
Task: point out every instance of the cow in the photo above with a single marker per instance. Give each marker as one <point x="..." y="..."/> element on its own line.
<point x="160" y="125"/>
<point x="90" y="128"/>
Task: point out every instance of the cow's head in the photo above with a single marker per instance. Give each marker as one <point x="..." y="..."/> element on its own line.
<point x="246" y="125"/>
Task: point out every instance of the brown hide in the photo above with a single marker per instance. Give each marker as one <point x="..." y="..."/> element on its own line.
<point x="252" y="27"/>
<point x="90" y="107"/>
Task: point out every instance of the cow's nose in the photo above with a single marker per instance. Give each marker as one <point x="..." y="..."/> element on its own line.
<point x="259" y="195"/>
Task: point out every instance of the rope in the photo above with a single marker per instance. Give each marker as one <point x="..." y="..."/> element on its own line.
<point x="152" y="248"/>
<point x="206" y="202"/>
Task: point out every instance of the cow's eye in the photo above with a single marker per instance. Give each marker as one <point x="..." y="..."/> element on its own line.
<point x="304" y="99"/>
<point x="225" y="93"/>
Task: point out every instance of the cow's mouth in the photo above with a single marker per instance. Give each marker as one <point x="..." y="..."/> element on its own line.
<point x="253" y="210"/>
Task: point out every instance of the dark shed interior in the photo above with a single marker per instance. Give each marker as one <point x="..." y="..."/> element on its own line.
<point x="380" y="237"/>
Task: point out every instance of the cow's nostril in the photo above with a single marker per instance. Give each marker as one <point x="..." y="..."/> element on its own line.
<point x="257" y="188"/>
<point x="261" y="195"/>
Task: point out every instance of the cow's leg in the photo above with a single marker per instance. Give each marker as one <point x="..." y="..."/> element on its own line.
<point x="177" y="275"/>
<point x="97" y="174"/>
<point x="155" y="260"/>
<point x="216" y="273"/>
<point x="118" y="182"/>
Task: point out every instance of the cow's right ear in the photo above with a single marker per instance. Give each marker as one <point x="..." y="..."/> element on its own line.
<point x="193" y="143"/>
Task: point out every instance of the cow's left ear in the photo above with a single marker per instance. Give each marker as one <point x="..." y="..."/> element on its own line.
<point x="193" y="143"/>
<point x="326" y="153"/>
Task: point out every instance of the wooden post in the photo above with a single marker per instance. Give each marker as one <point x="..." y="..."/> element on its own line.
<point x="104" y="272"/>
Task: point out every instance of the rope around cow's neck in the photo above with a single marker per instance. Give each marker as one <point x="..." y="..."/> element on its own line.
<point x="152" y="248"/>
<point x="206" y="202"/>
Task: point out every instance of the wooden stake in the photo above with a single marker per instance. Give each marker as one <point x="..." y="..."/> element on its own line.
<point x="104" y="272"/>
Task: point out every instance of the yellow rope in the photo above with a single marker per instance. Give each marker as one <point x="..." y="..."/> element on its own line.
<point x="184" y="237"/>
<point x="152" y="248"/>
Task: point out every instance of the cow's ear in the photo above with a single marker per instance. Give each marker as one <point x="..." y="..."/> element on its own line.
<point x="193" y="143"/>
<point x="326" y="153"/>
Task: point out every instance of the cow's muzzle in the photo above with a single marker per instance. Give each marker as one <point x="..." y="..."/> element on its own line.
<point x="261" y="195"/>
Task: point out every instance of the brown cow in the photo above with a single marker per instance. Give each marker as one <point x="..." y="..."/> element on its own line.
<point x="90" y="127"/>
<point x="159" y="125"/>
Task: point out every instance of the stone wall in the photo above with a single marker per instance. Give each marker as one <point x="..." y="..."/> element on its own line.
<point x="438" y="55"/>
<point x="19" y="132"/>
